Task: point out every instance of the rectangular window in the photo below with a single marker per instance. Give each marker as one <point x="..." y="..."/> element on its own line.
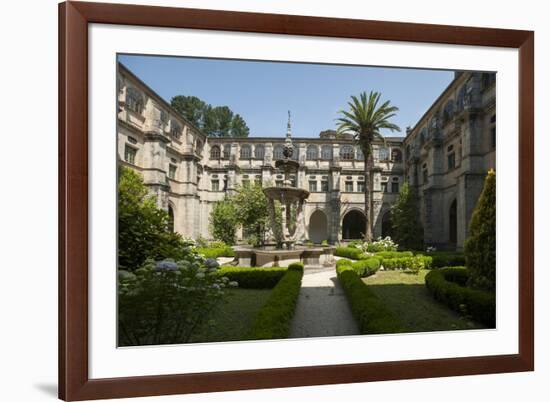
<point x="130" y="155"/>
<point x="246" y="183"/>
<point x="172" y="171"/>
<point x="425" y="176"/>
<point x="258" y="182"/>
<point x="360" y="186"/>
<point x="349" y="186"/>
<point x="215" y="185"/>
<point x="451" y="161"/>
<point x="384" y="186"/>
<point x="312" y="186"/>
<point x="324" y="186"/>
<point x="395" y="187"/>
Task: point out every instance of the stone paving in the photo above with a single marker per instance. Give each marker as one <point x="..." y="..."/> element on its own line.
<point x="322" y="308"/>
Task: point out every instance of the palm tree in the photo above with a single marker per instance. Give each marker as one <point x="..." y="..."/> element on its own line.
<point x="364" y="120"/>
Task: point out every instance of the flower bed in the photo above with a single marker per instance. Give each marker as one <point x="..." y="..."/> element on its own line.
<point x="447" y="286"/>
<point x="273" y="320"/>
<point x="371" y="315"/>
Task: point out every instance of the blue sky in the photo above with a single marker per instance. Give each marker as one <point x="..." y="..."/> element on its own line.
<point x="262" y="92"/>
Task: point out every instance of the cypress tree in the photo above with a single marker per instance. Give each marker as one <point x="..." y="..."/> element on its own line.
<point x="480" y="246"/>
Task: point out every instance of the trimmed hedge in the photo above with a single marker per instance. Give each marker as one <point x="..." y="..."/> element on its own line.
<point x="393" y="254"/>
<point x="349" y="252"/>
<point x="274" y="318"/>
<point x="367" y="267"/>
<point x="447" y="286"/>
<point x="371" y="314"/>
<point x="343" y="262"/>
<point x="253" y="278"/>
<point x="211" y="252"/>
<point x="412" y="263"/>
<point x="447" y="259"/>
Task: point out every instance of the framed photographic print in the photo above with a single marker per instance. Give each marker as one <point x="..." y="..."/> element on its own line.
<point x="261" y="200"/>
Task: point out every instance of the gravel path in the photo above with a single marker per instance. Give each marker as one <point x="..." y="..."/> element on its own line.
<point x="322" y="308"/>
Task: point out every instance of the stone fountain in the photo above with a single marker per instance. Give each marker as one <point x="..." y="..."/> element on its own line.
<point x="289" y="236"/>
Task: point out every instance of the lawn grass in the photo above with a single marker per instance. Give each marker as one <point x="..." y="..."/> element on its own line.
<point x="233" y="318"/>
<point x="406" y="295"/>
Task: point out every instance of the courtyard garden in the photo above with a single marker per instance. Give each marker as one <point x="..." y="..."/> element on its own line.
<point x="174" y="290"/>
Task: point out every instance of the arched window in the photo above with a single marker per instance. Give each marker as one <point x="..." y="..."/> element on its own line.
<point x="383" y="154"/>
<point x="396" y="155"/>
<point x="175" y="129"/>
<point x="134" y="100"/>
<point x="278" y="152"/>
<point x="295" y="153"/>
<point x="215" y="152"/>
<point x="346" y="152"/>
<point x="326" y="152"/>
<point x="359" y="154"/>
<point x="226" y="151"/>
<point x="312" y="152"/>
<point x="246" y="152"/>
<point x="170" y="218"/>
<point x="460" y="99"/>
<point x="448" y="111"/>
<point x="259" y="151"/>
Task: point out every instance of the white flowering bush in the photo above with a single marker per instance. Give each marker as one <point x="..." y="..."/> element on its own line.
<point x="431" y="249"/>
<point x="165" y="302"/>
<point x="381" y="244"/>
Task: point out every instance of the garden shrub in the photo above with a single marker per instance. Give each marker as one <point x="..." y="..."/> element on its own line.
<point x="368" y="267"/>
<point x="343" y="262"/>
<point x="253" y="278"/>
<point x="447" y="286"/>
<point x="274" y="318"/>
<point x="480" y="246"/>
<point x="393" y="254"/>
<point x="349" y="252"/>
<point x="165" y="302"/>
<point x="215" y="252"/>
<point x="381" y="244"/>
<point x="370" y="313"/>
<point x="414" y="264"/>
<point x="447" y="259"/>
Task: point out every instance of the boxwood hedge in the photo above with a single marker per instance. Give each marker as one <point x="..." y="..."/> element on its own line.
<point x="253" y="278"/>
<point x="415" y="263"/>
<point x="371" y="314"/>
<point x="274" y="318"/>
<point x="349" y="252"/>
<point x="447" y="286"/>
<point x="447" y="259"/>
<point x="215" y="252"/>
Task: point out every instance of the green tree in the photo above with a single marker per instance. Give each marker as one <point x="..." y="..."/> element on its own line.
<point x="223" y="221"/>
<point x="192" y="108"/>
<point x="480" y="246"/>
<point x="364" y="120"/>
<point x="215" y="121"/>
<point x="143" y="228"/>
<point x="239" y="127"/>
<point x="252" y="210"/>
<point x="407" y="229"/>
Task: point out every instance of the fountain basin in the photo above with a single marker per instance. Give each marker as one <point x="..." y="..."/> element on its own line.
<point x="271" y="257"/>
<point x="286" y="194"/>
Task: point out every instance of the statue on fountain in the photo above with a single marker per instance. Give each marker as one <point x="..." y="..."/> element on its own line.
<point x="290" y="197"/>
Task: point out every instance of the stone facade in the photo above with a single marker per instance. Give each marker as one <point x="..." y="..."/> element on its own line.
<point x="448" y="154"/>
<point x="189" y="172"/>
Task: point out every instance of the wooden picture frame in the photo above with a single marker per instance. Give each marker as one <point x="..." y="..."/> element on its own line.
<point x="74" y="381"/>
